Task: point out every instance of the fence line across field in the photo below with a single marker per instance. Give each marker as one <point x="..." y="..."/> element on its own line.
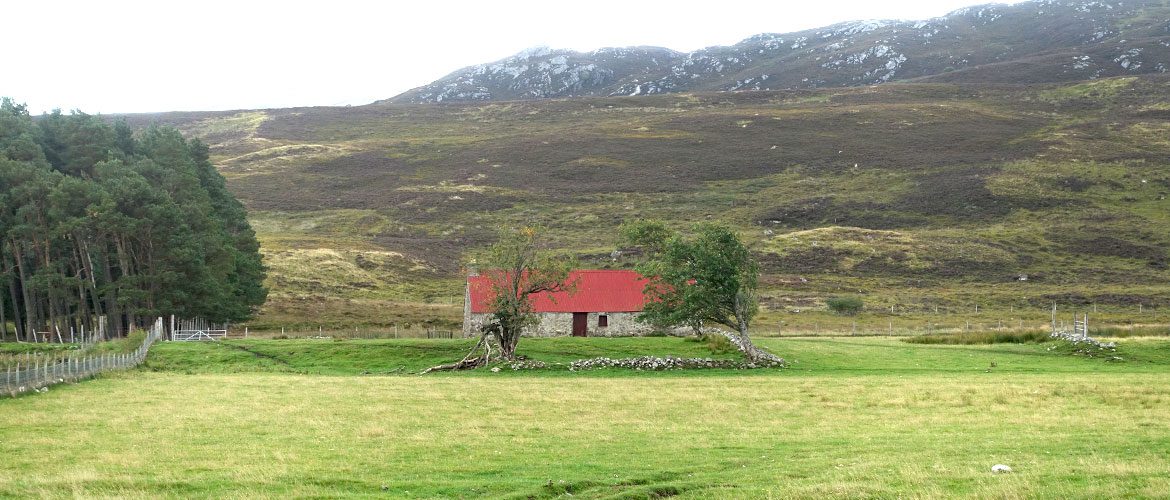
<point x="1074" y="321"/>
<point x="199" y="329"/>
<point x="37" y="372"/>
<point x="392" y="332"/>
<point x="903" y="321"/>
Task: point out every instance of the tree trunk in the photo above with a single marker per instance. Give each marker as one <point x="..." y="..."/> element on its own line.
<point x="4" y="271"/>
<point x="52" y="301"/>
<point x="111" y="312"/>
<point x="29" y="316"/>
<point x="126" y="261"/>
<point x="95" y="301"/>
<point x="749" y="350"/>
<point x="14" y="299"/>
<point x="37" y="318"/>
<point x="114" y="310"/>
<point x="82" y="309"/>
<point x="754" y="354"/>
<point x="508" y="345"/>
<point x="744" y="308"/>
<point x="3" y="320"/>
<point x="743" y="340"/>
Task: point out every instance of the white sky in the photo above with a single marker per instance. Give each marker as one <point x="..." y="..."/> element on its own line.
<point x="140" y="56"/>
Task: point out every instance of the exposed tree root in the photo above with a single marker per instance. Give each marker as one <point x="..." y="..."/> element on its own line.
<point x="463" y="364"/>
<point x="480" y="355"/>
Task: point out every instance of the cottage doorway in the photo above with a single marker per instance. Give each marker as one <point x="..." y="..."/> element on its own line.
<point x="580" y="324"/>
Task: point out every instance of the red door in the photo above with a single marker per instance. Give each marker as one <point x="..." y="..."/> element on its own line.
<point x="580" y="324"/>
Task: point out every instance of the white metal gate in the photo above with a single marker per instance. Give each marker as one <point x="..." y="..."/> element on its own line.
<point x="186" y="330"/>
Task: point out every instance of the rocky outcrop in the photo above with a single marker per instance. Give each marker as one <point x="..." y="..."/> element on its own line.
<point x="1029" y="42"/>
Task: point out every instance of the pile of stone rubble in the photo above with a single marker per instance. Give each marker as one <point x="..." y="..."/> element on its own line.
<point x="1088" y="346"/>
<point x="654" y="363"/>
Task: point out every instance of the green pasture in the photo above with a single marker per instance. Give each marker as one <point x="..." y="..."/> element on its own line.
<point x="863" y="417"/>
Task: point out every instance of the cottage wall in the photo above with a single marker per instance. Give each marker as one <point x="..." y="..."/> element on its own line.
<point x="621" y="324"/>
<point x="471" y="322"/>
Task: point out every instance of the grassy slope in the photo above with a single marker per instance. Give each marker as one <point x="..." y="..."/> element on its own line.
<point x="364" y="213"/>
<point x="869" y="417"/>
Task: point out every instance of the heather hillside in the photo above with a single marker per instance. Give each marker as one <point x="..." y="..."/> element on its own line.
<point x="917" y="196"/>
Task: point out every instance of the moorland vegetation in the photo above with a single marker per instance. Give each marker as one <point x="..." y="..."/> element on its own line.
<point x="987" y="202"/>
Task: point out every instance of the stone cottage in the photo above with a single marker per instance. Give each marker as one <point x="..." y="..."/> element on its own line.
<point x="604" y="303"/>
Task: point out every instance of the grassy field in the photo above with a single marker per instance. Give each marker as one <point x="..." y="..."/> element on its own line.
<point x="851" y="417"/>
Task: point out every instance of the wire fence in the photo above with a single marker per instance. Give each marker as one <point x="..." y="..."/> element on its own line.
<point x="392" y="332"/>
<point x="80" y="336"/>
<point x="906" y="329"/>
<point x="1141" y="320"/>
<point x="889" y="328"/>
<point x="36" y="372"/>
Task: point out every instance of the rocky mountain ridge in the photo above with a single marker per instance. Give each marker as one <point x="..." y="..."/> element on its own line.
<point x="1030" y="42"/>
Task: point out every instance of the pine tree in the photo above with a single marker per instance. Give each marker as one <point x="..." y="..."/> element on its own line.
<point x="96" y="221"/>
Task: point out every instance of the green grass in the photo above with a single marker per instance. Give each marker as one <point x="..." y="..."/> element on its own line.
<point x="122" y="345"/>
<point x="317" y="356"/>
<point x="402" y="356"/>
<point x="971" y="338"/>
<point x="14" y="348"/>
<point x="851" y="418"/>
<point x="817" y="355"/>
<point x="12" y="352"/>
<point x="842" y="356"/>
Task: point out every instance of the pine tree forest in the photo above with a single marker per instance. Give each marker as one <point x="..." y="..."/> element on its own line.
<point x="101" y="221"/>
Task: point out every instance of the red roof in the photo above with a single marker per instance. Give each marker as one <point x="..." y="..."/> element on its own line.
<point x="596" y="291"/>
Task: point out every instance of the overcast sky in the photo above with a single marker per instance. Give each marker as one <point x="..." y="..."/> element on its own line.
<point x="121" y="56"/>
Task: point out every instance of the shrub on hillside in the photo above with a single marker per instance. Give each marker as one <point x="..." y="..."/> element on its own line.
<point x="847" y="306"/>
